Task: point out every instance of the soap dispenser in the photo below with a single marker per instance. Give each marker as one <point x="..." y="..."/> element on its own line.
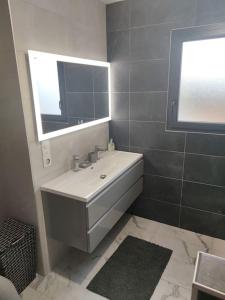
<point x="76" y="161"/>
<point x="111" y="145"/>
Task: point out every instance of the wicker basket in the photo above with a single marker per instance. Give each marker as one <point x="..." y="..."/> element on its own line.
<point x="18" y="253"/>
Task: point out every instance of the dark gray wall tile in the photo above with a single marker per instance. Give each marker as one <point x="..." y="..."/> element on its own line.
<point x="156" y="210"/>
<point x="122" y="148"/>
<point x="117" y="16"/>
<point x="153" y="135"/>
<point x="119" y="131"/>
<point x="49" y="126"/>
<point x="78" y="78"/>
<point x="144" y="12"/>
<point x="120" y="77"/>
<point x="149" y="76"/>
<point x="203" y="222"/>
<point x="118" y="45"/>
<point x="100" y="79"/>
<point x="101" y="101"/>
<point x="148" y="106"/>
<point x="80" y="105"/>
<point x="151" y="42"/>
<point x="162" y="163"/>
<point x="139" y="52"/>
<point x="205" y="169"/>
<point x="204" y="197"/>
<point x="120" y="106"/>
<point x="163" y="189"/>
<point x="206" y="144"/>
<point x="210" y="11"/>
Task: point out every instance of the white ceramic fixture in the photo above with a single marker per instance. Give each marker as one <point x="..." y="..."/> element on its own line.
<point x="87" y="183"/>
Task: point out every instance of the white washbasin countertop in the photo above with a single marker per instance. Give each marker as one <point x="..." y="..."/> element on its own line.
<point x="86" y="183"/>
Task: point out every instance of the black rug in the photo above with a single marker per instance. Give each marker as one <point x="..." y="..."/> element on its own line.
<point x="203" y="296"/>
<point x="133" y="271"/>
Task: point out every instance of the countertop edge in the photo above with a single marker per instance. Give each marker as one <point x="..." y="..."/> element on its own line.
<point x="98" y="191"/>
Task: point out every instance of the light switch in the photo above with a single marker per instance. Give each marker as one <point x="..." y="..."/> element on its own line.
<point x="46" y="154"/>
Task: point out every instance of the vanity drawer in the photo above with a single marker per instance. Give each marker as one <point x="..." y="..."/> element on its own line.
<point x="105" y="224"/>
<point x="104" y="201"/>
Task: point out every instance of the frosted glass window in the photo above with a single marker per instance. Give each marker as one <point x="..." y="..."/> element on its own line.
<point x="202" y="82"/>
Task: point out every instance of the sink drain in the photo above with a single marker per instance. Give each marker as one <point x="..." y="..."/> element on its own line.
<point x="103" y="176"/>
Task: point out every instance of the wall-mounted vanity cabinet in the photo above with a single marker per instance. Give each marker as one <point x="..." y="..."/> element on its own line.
<point x="82" y="207"/>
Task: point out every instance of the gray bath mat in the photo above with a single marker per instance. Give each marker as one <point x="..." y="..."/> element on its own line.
<point x="133" y="271"/>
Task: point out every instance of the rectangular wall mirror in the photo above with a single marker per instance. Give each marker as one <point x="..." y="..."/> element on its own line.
<point x="69" y="93"/>
<point x="197" y="79"/>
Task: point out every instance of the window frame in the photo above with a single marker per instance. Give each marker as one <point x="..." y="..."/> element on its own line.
<point x="178" y="37"/>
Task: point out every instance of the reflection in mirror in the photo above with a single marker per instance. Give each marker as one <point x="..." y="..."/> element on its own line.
<point x="202" y="83"/>
<point x="48" y="87"/>
<point x="69" y="93"/>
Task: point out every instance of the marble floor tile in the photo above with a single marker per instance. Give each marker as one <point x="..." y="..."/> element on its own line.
<point x="179" y="272"/>
<point x="141" y="228"/>
<point x="78" y="265"/>
<point x="169" y="291"/>
<point x="218" y="248"/>
<point x="77" y="293"/>
<point x="57" y="287"/>
<point x="173" y="233"/>
<point x="71" y="277"/>
<point x="184" y="247"/>
<point x="31" y="294"/>
<point x="52" y="285"/>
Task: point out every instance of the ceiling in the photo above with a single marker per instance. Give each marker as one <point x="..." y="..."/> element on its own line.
<point x="110" y="1"/>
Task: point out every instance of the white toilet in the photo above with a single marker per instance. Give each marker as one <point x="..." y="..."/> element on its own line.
<point x="7" y="290"/>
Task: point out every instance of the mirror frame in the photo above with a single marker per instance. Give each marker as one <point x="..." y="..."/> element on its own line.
<point x="179" y="36"/>
<point x="45" y="136"/>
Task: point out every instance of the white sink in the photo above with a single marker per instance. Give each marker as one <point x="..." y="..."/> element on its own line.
<point x="87" y="183"/>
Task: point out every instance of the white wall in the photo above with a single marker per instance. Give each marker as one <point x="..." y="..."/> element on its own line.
<point x="16" y="190"/>
<point x="75" y="28"/>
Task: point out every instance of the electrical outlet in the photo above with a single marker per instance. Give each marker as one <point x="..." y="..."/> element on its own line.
<point x="46" y="154"/>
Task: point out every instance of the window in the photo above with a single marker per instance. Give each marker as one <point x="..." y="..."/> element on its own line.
<point x="196" y="98"/>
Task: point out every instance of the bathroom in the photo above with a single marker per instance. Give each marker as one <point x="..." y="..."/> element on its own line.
<point x="120" y="183"/>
